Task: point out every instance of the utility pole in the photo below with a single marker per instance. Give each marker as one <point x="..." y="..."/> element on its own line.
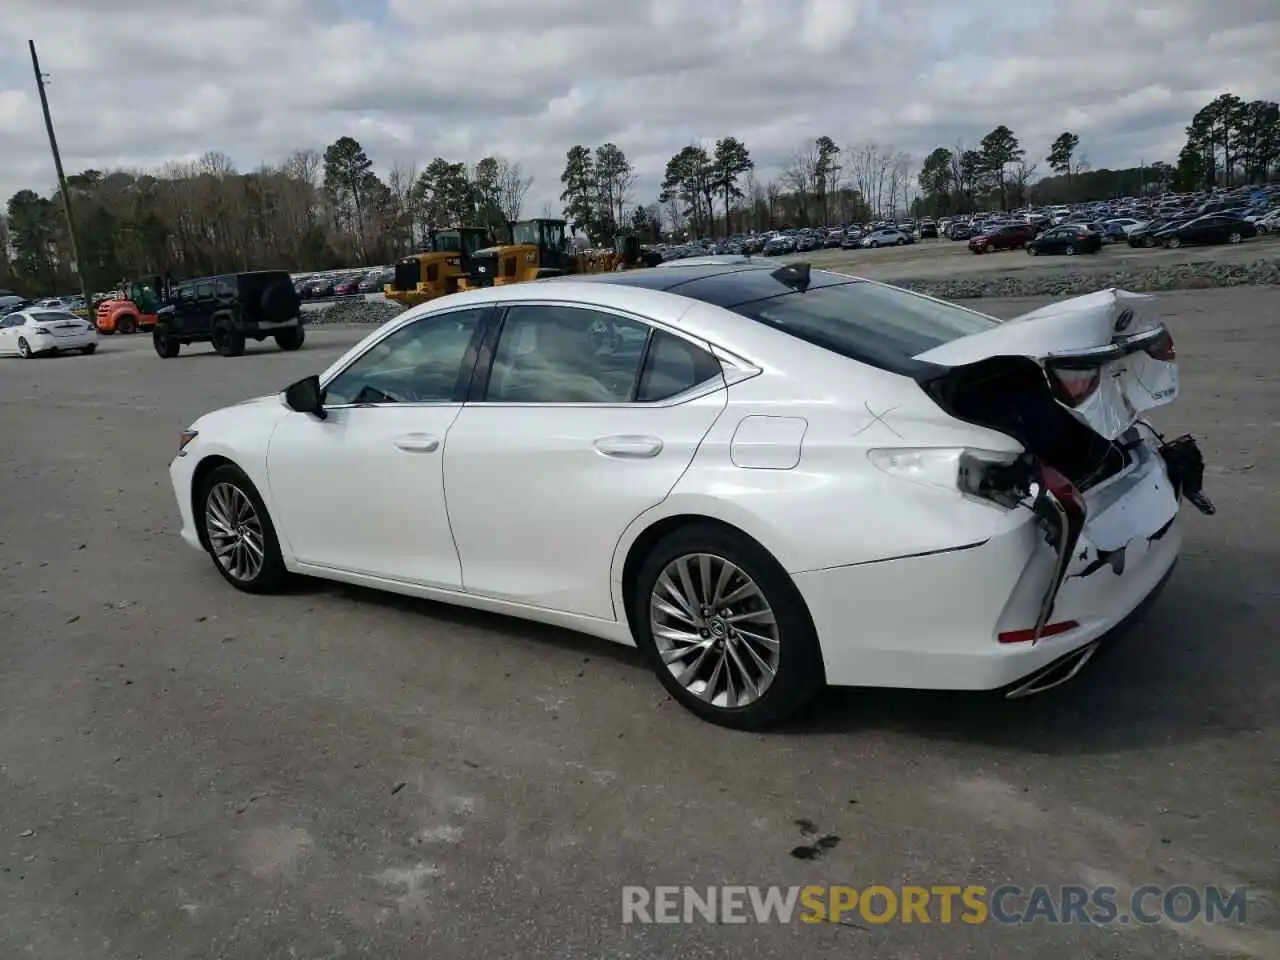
<point x="41" y="80"/>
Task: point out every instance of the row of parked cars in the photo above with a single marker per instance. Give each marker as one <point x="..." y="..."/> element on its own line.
<point x="1074" y="237"/>
<point x="342" y="284"/>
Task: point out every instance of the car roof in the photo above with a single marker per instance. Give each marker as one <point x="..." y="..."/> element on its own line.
<point x="720" y="284"/>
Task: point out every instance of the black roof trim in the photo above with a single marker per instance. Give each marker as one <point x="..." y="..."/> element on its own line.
<point x="720" y="284"/>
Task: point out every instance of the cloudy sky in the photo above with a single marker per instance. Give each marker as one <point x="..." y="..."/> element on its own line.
<point x="139" y="82"/>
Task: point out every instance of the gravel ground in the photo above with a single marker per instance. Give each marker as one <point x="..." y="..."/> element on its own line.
<point x="947" y="269"/>
<point x="187" y="772"/>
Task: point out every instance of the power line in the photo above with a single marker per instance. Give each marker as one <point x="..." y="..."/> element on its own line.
<point x="41" y="81"/>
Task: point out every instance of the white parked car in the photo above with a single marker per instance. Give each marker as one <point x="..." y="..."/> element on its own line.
<point x="1268" y="222"/>
<point x="33" y="332"/>
<point x="885" y="237"/>
<point x="767" y="479"/>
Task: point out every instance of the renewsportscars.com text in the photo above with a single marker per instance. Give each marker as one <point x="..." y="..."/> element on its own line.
<point x="938" y="903"/>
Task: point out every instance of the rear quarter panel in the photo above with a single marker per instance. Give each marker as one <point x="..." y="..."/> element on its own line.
<point x="833" y="507"/>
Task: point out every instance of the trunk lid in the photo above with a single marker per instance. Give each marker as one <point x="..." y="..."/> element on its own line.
<point x="1106" y="358"/>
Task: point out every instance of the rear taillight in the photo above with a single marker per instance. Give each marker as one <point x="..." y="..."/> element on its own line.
<point x="1162" y="349"/>
<point x="1074" y="386"/>
<point x="998" y="477"/>
<point x="1068" y="494"/>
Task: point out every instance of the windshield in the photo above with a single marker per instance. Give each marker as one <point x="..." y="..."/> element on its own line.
<point x="525" y="233"/>
<point x="879" y="325"/>
<point x="449" y="242"/>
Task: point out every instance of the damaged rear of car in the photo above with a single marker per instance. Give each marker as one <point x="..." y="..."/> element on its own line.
<point x="1070" y="383"/>
<point x="1018" y="507"/>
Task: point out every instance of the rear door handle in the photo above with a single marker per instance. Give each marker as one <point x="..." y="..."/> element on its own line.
<point x="417" y="442"/>
<point x="629" y="447"/>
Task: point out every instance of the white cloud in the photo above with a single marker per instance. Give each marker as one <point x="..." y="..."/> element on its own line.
<point x="141" y="82"/>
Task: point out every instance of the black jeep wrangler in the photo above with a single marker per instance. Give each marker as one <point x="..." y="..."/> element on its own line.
<point x="227" y="310"/>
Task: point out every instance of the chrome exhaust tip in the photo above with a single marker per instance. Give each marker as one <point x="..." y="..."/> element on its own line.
<point x="1056" y="673"/>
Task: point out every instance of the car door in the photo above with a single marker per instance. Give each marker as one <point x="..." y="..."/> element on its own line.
<point x="362" y="490"/>
<point x="584" y="419"/>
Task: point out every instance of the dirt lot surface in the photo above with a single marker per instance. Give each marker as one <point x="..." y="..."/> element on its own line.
<point x="188" y="772"/>
<point x="951" y="258"/>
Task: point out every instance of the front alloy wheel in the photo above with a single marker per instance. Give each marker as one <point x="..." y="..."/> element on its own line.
<point x="238" y="533"/>
<point x="236" y="538"/>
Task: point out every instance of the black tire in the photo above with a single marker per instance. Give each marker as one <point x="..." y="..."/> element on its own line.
<point x="127" y="324"/>
<point x="24" y="349"/>
<point x="167" y="346"/>
<point x="1235" y="237"/>
<point x="271" y="575"/>
<point x="89" y="349"/>
<point x="1173" y="243"/>
<point x="1032" y="251"/>
<point x="1069" y="250"/>
<point x="799" y="674"/>
<point x="292" y="338"/>
<point x="227" y="340"/>
<point x="899" y="242"/>
<point x="279" y="302"/>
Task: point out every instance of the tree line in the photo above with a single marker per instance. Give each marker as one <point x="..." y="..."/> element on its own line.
<point x="325" y="210"/>
<point x="1230" y="142"/>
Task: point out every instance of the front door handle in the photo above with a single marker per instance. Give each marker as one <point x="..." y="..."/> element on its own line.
<point x="417" y="442"/>
<point x="629" y="447"/>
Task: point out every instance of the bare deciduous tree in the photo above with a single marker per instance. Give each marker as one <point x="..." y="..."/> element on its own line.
<point x="800" y="176"/>
<point x="512" y="186"/>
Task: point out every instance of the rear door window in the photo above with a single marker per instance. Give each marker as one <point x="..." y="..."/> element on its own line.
<point x="672" y="366"/>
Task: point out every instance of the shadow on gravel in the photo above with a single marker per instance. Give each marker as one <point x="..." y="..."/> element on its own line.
<point x="205" y="352"/>
<point x="1197" y="666"/>
<point x="506" y="628"/>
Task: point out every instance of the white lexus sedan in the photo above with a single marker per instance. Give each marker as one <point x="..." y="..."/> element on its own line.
<point x="767" y="479"/>
<point x="34" y="332"/>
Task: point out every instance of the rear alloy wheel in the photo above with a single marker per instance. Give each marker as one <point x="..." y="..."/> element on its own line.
<point x="1032" y="251"/>
<point x="86" y="350"/>
<point x="227" y="340"/>
<point x="1173" y="243"/>
<point x="1070" y="251"/>
<point x="290" y="339"/>
<point x="1235" y="237"/>
<point x="238" y="533"/>
<point x="899" y="242"/>
<point x="725" y="629"/>
<point x="24" y="349"/>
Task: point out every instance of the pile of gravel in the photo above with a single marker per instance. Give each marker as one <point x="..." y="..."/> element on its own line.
<point x="1053" y="283"/>
<point x="363" y="312"/>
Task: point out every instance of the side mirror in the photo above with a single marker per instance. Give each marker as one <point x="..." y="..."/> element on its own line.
<point x="305" y="396"/>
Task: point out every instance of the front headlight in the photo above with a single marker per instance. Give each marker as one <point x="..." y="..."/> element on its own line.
<point x="184" y="441"/>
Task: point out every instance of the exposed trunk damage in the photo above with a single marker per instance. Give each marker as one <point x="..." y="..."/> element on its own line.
<point x="1070" y="382"/>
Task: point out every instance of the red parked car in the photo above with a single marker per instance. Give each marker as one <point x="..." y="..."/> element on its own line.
<point x="346" y="288"/>
<point x="1011" y="236"/>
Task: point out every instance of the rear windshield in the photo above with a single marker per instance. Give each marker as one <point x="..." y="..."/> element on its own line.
<point x="879" y="325"/>
<point x="52" y="316"/>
